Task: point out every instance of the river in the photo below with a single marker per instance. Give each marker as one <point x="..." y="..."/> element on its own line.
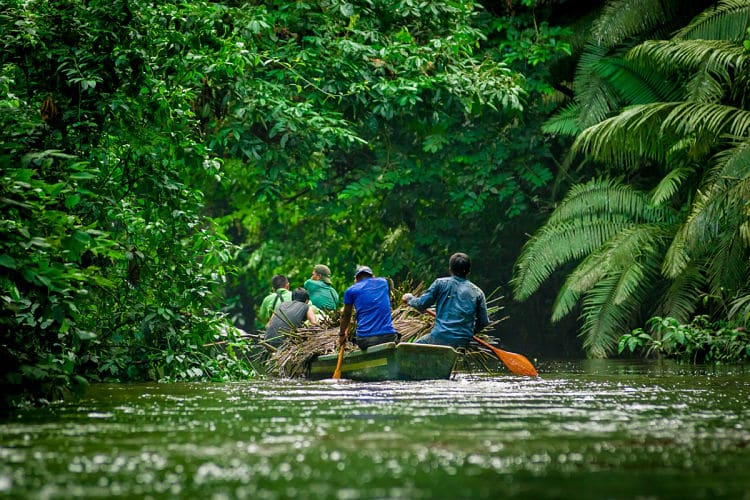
<point x="608" y="429"/>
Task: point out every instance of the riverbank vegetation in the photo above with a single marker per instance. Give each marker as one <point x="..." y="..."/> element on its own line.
<point x="161" y="161"/>
<point x="659" y="226"/>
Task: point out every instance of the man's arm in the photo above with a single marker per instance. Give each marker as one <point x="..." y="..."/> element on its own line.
<point x="423" y="301"/>
<point x="482" y="316"/>
<point x="346" y="317"/>
<point x="311" y="316"/>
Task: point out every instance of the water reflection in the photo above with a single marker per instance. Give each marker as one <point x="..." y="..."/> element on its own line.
<point x="583" y="430"/>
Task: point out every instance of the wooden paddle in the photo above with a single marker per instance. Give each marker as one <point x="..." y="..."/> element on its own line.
<point x="516" y="363"/>
<point x="337" y="372"/>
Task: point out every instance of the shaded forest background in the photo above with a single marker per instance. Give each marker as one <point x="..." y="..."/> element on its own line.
<point x="162" y="161"/>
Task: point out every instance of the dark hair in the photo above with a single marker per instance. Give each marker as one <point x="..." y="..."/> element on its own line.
<point x="460" y="264"/>
<point x="279" y="281"/>
<point x="300" y="295"/>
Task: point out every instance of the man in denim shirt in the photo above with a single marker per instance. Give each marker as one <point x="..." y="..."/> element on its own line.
<point x="461" y="309"/>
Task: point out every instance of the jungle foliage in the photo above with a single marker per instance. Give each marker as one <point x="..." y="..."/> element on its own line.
<point x="663" y="229"/>
<point x="161" y="160"/>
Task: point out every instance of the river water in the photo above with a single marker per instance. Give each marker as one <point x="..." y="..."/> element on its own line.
<point x="607" y="429"/>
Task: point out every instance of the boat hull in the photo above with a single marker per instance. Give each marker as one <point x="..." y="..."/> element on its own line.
<point x="390" y="361"/>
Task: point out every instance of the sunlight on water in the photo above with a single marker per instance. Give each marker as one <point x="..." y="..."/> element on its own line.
<point x="582" y="430"/>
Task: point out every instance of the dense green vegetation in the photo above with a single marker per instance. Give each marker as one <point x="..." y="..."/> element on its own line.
<point x="659" y="225"/>
<point x="161" y="161"/>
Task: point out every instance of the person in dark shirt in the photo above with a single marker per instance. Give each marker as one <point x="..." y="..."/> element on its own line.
<point x="370" y="297"/>
<point x="288" y="315"/>
<point x="460" y="305"/>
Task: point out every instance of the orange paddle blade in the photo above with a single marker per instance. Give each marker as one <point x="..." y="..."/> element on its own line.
<point x="516" y="363"/>
<point x="337" y="371"/>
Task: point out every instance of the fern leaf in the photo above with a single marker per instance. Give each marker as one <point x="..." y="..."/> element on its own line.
<point x="555" y="245"/>
<point x="606" y="198"/>
<point x="670" y="185"/>
<point x="638" y="83"/>
<point x="681" y="296"/>
<point x="623" y="19"/>
<point x="728" y="20"/>
<point x="603" y="321"/>
<point x="564" y="122"/>
<point x="676" y="55"/>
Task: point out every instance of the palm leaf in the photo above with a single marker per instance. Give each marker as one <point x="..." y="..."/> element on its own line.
<point x="727" y="267"/>
<point x="595" y="96"/>
<point x="638" y="83"/>
<point x="555" y="245"/>
<point x="727" y="20"/>
<point x="714" y="55"/>
<point x="680" y="298"/>
<point x="670" y="184"/>
<point x="740" y="309"/>
<point x="615" y="255"/>
<point x="610" y="308"/>
<point x="587" y="217"/>
<point x="606" y="198"/>
<point x="564" y="122"/>
<point x="705" y="86"/>
<point x="621" y="20"/>
<point x="649" y="130"/>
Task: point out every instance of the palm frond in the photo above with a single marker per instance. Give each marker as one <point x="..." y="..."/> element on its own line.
<point x="740" y="309"/>
<point x="732" y="164"/>
<point x="689" y="117"/>
<point x="715" y="55"/>
<point x="627" y="138"/>
<point x="588" y="217"/>
<point x="611" y="307"/>
<point x="681" y="296"/>
<point x="721" y="204"/>
<point x="638" y="83"/>
<point x="727" y="267"/>
<point x="564" y="122"/>
<point x="565" y="301"/>
<point x="727" y="20"/>
<point x="705" y="86"/>
<point x="649" y="130"/>
<point x="670" y="184"/>
<point x="716" y="219"/>
<point x="606" y="198"/>
<point x="595" y="96"/>
<point x="624" y="19"/>
<point x="555" y="245"/>
<point x="638" y="242"/>
<point x="677" y="256"/>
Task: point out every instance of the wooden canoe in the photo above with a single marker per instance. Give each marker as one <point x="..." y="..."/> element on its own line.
<point x="391" y="361"/>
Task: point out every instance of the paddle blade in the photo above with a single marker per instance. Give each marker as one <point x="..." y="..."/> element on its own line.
<point x="516" y="363"/>
<point x="337" y="371"/>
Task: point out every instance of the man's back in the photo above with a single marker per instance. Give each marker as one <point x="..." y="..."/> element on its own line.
<point x="288" y="315"/>
<point x="371" y="299"/>
<point x="271" y="302"/>
<point x="461" y="309"/>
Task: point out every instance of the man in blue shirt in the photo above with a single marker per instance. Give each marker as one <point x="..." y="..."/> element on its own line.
<point x="370" y="296"/>
<point x="460" y="306"/>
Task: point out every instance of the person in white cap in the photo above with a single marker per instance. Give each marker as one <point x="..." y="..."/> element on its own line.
<point x="322" y="294"/>
<point x="370" y="297"/>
